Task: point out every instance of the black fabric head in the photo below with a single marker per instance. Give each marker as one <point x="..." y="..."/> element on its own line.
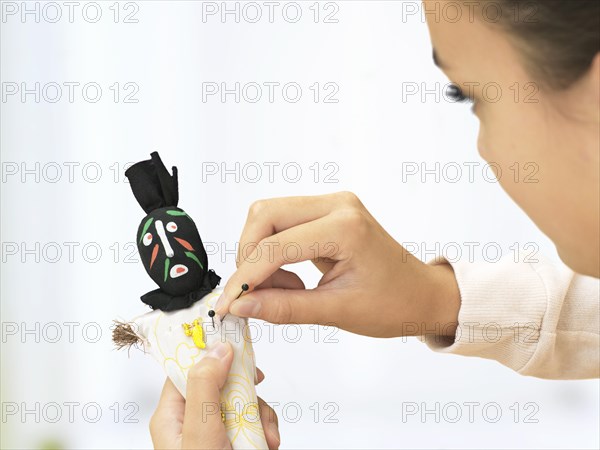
<point x="168" y="240"/>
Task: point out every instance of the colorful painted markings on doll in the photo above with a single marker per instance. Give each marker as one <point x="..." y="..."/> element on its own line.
<point x="195" y="331"/>
<point x="146" y="238"/>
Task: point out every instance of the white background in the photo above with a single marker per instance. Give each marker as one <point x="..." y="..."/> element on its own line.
<point x="367" y="137"/>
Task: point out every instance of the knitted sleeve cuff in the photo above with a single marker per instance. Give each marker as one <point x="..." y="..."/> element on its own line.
<point x="505" y="307"/>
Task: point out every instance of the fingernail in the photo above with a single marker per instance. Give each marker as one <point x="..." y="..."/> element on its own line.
<point x="245" y="308"/>
<point x="218" y="350"/>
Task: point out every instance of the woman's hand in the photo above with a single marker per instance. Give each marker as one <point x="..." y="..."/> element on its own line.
<point x="178" y="423"/>
<point x="371" y="285"/>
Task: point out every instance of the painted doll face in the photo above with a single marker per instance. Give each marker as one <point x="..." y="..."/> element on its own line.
<point x="172" y="251"/>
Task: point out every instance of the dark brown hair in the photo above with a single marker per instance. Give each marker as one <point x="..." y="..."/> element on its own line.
<point x="558" y="39"/>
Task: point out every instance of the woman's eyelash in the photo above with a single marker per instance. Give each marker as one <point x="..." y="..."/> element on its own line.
<point x="456" y="94"/>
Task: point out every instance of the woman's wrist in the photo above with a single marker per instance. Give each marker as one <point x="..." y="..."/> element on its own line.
<point x="444" y="296"/>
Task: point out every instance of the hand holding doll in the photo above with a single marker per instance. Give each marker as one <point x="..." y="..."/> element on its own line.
<point x="178" y="423"/>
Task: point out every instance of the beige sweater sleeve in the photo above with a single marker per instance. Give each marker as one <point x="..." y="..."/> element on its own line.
<point x="540" y="319"/>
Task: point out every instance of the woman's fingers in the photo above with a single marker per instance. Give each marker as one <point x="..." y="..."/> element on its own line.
<point x="324" y="264"/>
<point x="282" y="279"/>
<point x="284" y="306"/>
<point x="267" y="217"/>
<point x="270" y="424"/>
<point x="268" y="418"/>
<point x="300" y="243"/>
<point x="202" y="424"/>
<point x="260" y="375"/>
<point x="167" y="420"/>
<point x="202" y="415"/>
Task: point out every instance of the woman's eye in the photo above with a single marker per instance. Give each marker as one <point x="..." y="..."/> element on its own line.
<point x="172" y="227"/>
<point x="455" y="94"/>
<point x="147" y="239"/>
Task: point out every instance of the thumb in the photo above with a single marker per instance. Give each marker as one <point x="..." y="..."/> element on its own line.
<point x="202" y="419"/>
<point x="283" y="306"/>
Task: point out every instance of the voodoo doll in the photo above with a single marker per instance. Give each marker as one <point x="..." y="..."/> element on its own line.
<point x="182" y="326"/>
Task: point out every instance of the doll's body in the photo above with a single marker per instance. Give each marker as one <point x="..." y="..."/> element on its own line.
<point x="164" y="336"/>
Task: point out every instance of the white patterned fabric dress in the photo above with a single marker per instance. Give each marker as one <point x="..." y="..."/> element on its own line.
<point x="163" y="335"/>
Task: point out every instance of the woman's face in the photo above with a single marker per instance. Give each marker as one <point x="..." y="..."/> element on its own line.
<point x="545" y="143"/>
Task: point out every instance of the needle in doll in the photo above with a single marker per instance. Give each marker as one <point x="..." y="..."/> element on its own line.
<point x="244" y="289"/>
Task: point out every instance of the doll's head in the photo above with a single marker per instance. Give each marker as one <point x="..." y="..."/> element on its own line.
<point x="171" y="250"/>
<point x="167" y="238"/>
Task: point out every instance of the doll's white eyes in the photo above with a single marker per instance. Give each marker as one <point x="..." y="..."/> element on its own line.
<point x="172" y="227"/>
<point x="147" y="239"/>
<point x="178" y="270"/>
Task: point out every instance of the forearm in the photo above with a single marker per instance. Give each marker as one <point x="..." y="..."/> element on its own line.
<point x="538" y="319"/>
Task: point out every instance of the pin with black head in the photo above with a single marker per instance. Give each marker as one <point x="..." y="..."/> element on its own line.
<point x="211" y="314"/>
<point x="245" y="287"/>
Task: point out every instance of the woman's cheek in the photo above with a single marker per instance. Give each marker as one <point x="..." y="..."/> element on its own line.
<point x="482" y="144"/>
<point x="491" y="148"/>
<point x="495" y="142"/>
<point x="497" y="149"/>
